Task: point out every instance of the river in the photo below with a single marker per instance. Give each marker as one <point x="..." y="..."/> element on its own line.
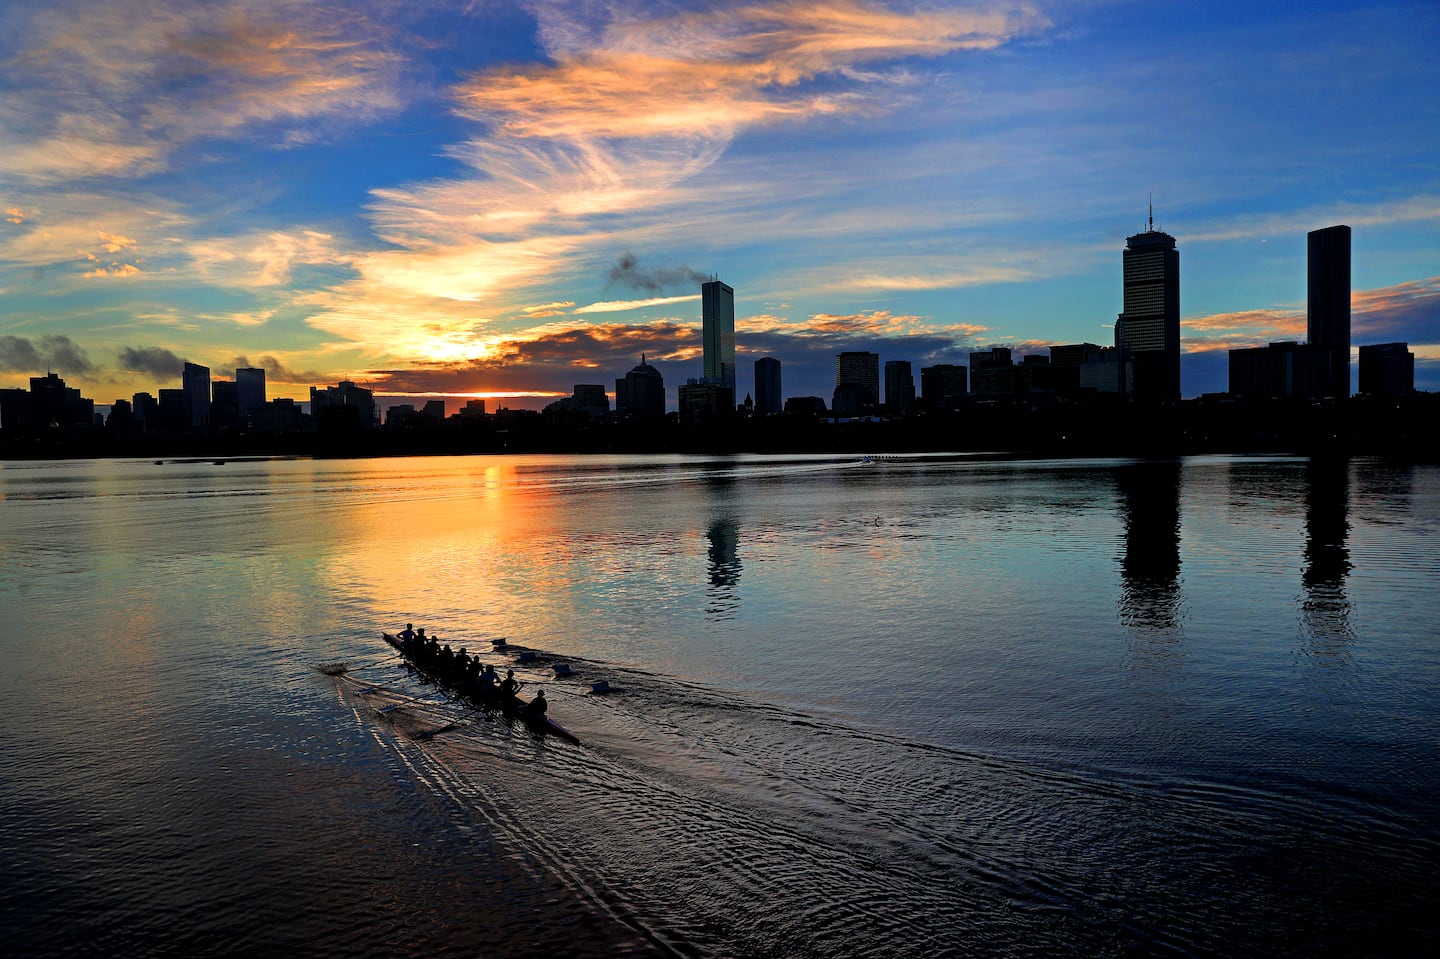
<point x="910" y="706"/>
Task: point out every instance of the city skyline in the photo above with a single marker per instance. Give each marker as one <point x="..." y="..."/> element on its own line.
<point x="503" y="202"/>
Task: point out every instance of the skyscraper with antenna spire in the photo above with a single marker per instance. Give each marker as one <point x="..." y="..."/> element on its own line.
<point x="1148" y="331"/>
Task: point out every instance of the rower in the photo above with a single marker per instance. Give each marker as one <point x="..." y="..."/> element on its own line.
<point x="509" y="685"/>
<point x="407" y="634"/>
<point x="538" y="704"/>
<point x="488" y="679"/>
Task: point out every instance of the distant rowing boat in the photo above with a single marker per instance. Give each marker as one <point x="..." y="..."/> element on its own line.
<point x="483" y="697"/>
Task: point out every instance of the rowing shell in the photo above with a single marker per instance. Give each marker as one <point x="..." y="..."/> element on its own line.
<point x="511" y="705"/>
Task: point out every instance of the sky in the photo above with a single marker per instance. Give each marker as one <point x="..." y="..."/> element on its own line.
<point x="505" y="199"/>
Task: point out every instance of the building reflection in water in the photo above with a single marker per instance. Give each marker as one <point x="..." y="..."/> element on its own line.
<point x="723" y="592"/>
<point x="1150" y="594"/>
<point x="1325" y="608"/>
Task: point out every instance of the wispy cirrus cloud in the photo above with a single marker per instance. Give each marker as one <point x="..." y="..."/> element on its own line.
<point x="112" y="90"/>
<point x="83" y="229"/>
<point x="263" y="259"/>
<point x="1290" y="223"/>
<point x="695" y="74"/>
<point x="632" y="107"/>
<point x="542" y="310"/>
<point x="620" y="306"/>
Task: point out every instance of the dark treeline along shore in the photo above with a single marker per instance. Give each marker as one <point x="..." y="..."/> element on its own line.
<point x="1363" y="425"/>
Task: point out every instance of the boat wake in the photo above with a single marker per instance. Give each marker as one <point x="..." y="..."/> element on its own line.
<point x="712" y="825"/>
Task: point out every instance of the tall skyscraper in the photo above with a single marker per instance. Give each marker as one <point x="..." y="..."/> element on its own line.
<point x="1328" y="303"/>
<point x="1149" y="329"/>
<point x="195" y="384"/>
<point x="718" y="329"/>
<point x="250" y="389"/>
<point x="899" y="387"/>
<point x="857" y="383"/>
<point x="768" y="398"/>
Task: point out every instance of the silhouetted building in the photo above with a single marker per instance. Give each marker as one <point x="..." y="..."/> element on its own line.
<point x="195" y="384"/>
<point x="943" y="386"/>
<point x="15" y="410"/>
<point x="641" y="392"/>
<point x="1328" y="304"/>
<point x="857" y="383"/>
<point x="1150" y="326"/>
<point x="805" y="406"/>
<point x="224" y="404"/>
<point x="768" y="398"/>
<point x="475" y="409"/>
<point x="1034" y="374"/>
<point x="591" y="398"/>
<point x="899" y="387"/>
<point x="992" y="372"/>
<point x="587" y="398"/>
<point x="173" y="411"/>
<point x="1105" y="369"/>
<point x="1387" y="369"/>
<point x="1066" y="361"/>
<point x="122" y="418"/>
<point x="343" y="406"/>
<point x="249" y="390"/>
<point x="1285" y="370"/>
<point x="718" y="328"/>
<point x="51" y="404"/>
<point x="282" y="415"/>
<point x="145" y="411"/>
<point x="703" y="402"/>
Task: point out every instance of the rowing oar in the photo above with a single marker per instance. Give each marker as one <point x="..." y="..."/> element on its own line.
<point x="339" y="669"/>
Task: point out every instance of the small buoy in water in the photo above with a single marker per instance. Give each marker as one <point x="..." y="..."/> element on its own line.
<point x="498" y="641"/>
<point x="561" y="669"/>
<point x="525" y="658"/>
<point x="600" y="686"/>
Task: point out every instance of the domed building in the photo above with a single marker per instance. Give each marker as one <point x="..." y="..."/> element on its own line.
<point x="641" y="392"/>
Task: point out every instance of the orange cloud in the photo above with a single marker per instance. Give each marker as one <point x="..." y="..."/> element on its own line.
<point x="1404" y="310"/>
<point x="542" y="310"/>
<point x="619" y="306"/>
<point x="1241" y="328"/>
<point x="114" y="269"/>
<point x="262" y="259"/>
<point x="621" y="122"/>
<point x="1406" y="305"/>
<point x="698" y="74"/>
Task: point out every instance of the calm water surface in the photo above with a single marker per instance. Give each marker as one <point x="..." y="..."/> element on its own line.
<point x="916" y="707"/>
